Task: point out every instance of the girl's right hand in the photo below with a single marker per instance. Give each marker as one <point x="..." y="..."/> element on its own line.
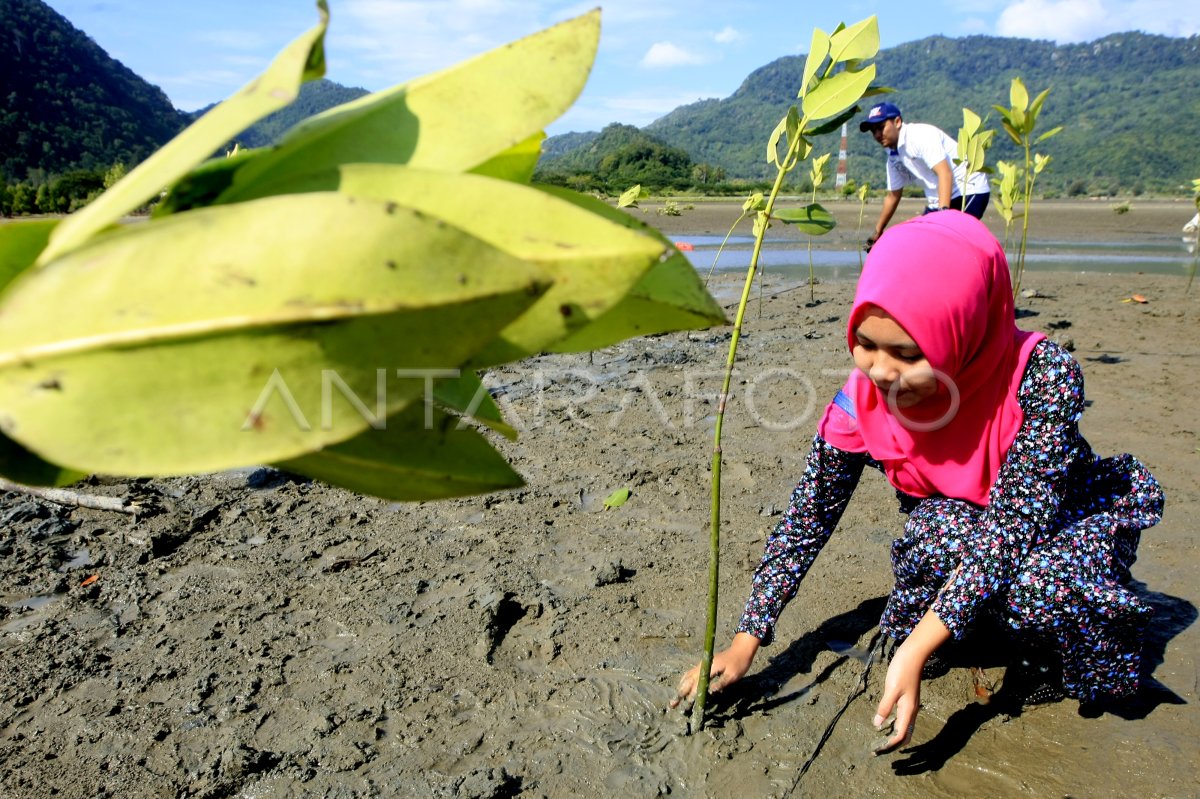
<point x="728" y="666"/>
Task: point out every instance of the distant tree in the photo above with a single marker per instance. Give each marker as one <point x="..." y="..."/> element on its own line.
<point x="24" y="199"/>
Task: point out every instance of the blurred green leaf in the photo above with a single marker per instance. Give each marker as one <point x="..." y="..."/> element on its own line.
<point x="629" y="198"/>
<point x="236" y="368"/>
<point x="592" y="262"/>
<point x="467" y="396"/>
<point x="20" y="244"/>
<point x="302" y="60"/>
<point x="202" y="186"/>
<point x="811" y="219"/>
<point x="407" y="461"/>
<point x="22" y="466"/>
<point x="671" y="296"/>
<point x="516" y="164"/>
<point x="453" y="120"/>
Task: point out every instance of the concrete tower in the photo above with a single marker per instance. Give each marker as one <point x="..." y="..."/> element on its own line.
<point x="840" y="180"/>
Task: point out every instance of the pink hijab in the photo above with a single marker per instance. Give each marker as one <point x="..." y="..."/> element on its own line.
<point x="944" y="278"/>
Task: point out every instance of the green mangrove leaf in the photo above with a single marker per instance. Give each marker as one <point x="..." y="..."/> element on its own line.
<point x="671" y="296"/>
<point x="467" y="396"/>
<point x="453" y="120"/>
<point x="971" y="122"/>
<point x="837" y="93"/>
<point x="629" y="198"/>
<point x="217" y="357"/>
<point x="617" y="498"/>
<point x="792" y="125"/>
<point x="300" y="61"/>
<point x="817" y="50"/>
<point x="414" y="458"/>
<point x="201" y="187"/>
<point x="1035" y="108"/>
<point x="20" y="244"/>
<point x="592" y="261"/>
<point x="762" y="221"/>
<point x="1048" y="134"/>
<point x="812" y="219"/>
<point x="874" y="91"/>
<point x="859" y="41"/>
<point x="1018" y="98"/>
<point x="835" y="123"/>
<point x="516" y="164"/>
<point x="773" y="141"/>
<point x="22" y="466"/>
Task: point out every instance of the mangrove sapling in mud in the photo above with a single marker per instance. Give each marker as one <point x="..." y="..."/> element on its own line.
<point x="324" y="305"/>
<point x="1020" y="120"/>
<point x="835" y="78"/>
<point x="973" y="145"/>
<point x="863" y="190"/>
<point x="816" y="175"/>
<point x="1006" y="195"/>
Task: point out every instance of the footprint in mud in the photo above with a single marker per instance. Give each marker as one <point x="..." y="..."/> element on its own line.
<point x="517" y="631"/>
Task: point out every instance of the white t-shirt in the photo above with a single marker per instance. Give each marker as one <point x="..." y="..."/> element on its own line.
<point x="920" y="148"/>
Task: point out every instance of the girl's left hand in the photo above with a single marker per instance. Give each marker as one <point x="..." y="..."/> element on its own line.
<point x="902" y="693"/>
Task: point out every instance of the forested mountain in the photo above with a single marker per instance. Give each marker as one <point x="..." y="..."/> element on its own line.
<point x="1128" y="104"/>
<point x="618" y="157"/>
<point x="65" y="103"/>
<point x="315" y="96"/>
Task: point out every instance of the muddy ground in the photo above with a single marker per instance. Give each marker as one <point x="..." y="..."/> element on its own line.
<point x="251" y="634"/>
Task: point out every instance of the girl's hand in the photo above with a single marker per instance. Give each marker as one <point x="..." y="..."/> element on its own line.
<point x="902" y="693"/>
<point x="902" y="687"/>
<point x="728" y="666"/>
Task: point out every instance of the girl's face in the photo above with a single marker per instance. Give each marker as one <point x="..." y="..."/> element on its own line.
<point x="890" y="358"/>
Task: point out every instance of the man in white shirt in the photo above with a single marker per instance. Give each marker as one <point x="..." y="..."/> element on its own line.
<point x="920" y="153"/>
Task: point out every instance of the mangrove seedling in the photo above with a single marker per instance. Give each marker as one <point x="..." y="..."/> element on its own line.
<point x="1020" y="120"/>
<point x="1007" y="192"/>
<point x="835" y="78"/>
<point x="973" y="145"/>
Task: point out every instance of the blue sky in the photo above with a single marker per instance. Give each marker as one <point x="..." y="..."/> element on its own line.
<point x="654" y="55"/>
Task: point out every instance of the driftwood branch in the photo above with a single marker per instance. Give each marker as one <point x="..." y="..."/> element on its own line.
<point x="72" y="499"/>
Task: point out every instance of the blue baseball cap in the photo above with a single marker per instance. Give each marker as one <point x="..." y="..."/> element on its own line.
<point x="879" y="113"/>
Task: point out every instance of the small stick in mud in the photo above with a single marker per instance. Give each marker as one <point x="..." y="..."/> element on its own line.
<point x="72" y="499"/>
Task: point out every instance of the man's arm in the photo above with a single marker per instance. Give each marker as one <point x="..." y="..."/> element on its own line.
<point x="945" y="176"/>
<point x="890" y="201"/>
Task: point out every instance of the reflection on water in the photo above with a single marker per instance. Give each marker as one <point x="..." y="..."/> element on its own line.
<point x="1163" y="256"/>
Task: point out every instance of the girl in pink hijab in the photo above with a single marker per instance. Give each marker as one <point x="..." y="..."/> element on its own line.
<point x="1010" y="514"/>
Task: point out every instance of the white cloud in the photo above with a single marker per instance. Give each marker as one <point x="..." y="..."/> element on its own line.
<point x="1060" y="20"/>
<point x="728" y="35"/>
<point x="593" y="113"/>
<point x="1067" y="21"/>
<point x="663" y="55"/>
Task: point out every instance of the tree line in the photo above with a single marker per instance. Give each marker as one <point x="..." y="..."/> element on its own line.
<point x="56" y="194"/>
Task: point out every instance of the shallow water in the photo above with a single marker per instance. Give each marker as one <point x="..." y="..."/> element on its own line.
<point x="787" y="258"/>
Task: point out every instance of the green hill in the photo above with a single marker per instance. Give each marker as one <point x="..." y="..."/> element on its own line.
<point x="617" y="158"/>
<point x="66" y="103"/>
<point x="315" y="96"/>
<point x="1127" y="103"/>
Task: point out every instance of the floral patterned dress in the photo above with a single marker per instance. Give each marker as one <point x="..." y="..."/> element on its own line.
<point x="1050" y="553"/>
